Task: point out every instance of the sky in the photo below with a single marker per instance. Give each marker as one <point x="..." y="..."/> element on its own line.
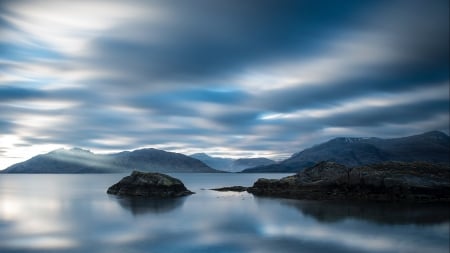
<point x="235" y="78"/>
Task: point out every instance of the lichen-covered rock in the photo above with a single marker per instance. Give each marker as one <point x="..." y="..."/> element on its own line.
<point x="328" y="174"/>
<point x="391" y="181"/>
<point x="149" y="185"/>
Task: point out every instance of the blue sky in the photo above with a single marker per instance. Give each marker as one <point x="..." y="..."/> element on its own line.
<point x="229" y="78"/>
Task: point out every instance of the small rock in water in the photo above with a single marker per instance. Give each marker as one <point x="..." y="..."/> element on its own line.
<point x="149" y="185"/>
<point x="231" y="189"/>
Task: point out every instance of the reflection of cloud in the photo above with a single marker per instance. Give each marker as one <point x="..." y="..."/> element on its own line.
<point x="43" y="243"/>
<point x="73" y="214"/>
<point x="13" y="209"/>
<point x="140" y="205"/>
<point x="350" y="241"/>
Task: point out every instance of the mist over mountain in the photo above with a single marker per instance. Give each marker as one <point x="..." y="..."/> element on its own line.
<point x="219" y="163"/>
<point x="245" y="163"/>
<point x="433" y="147"/>
<point x="78" y="160"/>
<point x="232" y="165"/>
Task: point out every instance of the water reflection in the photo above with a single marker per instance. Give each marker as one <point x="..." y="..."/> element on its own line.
<point x="379" y="213"/>
<point x="73" y="213"/>
<point x="358" y="227"/>
<point x="141" y="205"/>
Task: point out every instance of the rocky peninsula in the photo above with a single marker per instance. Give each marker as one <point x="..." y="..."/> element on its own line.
<point x="390" y="181"/>
<point x="150" y="184"/>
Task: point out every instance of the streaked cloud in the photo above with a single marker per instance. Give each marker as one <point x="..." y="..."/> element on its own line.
<point x="227" y="78"/>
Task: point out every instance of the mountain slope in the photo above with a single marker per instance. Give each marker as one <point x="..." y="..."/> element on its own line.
<point x="433" y="147"/>
<point x="64" y="161"/>
<point x="82" y="161"/>
<point x="158" y="160"/>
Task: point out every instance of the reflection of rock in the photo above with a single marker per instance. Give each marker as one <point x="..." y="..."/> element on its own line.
<point x="381" y="213"/>
<point x="149" y="185"/>
<point x="390" y="181"/>
<point x="142" y="205"/>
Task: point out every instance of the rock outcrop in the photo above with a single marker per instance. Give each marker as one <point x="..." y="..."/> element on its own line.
<point x="149" y="185"/>
<point x="390" y="181"/>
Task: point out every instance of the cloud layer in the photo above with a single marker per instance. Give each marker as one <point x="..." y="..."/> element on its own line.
<point x="228" y="78"/>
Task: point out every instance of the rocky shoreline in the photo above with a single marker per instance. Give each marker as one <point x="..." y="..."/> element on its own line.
<point x="391" y="181"/>
<point x="384" y="182"/>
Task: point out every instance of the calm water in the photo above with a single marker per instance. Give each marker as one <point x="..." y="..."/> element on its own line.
<point x="72" y="213"/>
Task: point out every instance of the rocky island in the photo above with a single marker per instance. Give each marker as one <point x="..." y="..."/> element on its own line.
<point x="231" y="189"/>
<point x="149" y="184"/>
<point x="390" y="181"/>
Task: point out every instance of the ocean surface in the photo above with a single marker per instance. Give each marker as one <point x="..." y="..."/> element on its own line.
<point x="73" y="213"/>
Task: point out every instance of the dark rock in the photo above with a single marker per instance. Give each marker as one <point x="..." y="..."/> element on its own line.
<point x="149" y="185"/>
<point x="391" y="181"/>
<point x="231" y="189"/>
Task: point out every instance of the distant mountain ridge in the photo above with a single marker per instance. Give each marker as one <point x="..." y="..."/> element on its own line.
<point x="232" y="165"/>
<point x="432" y="147"/>
<point x="78" y="160"/>
<point x="245" y="163"/>
<point x="219" y="163"/>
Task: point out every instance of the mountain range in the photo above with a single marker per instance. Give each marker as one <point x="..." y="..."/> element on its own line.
<point x="231" y="165"/>
<point x="433" y="147"/>
<point x="78" y="160"/>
